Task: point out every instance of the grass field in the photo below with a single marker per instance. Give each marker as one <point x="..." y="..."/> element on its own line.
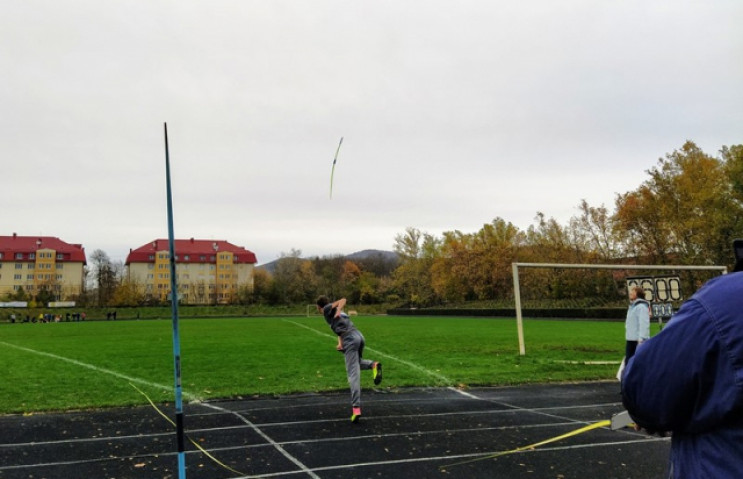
<point x="61" y="366"/>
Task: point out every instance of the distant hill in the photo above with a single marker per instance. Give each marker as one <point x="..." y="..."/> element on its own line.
<point x="373" y="253"/>
<point x="359" y="256"/>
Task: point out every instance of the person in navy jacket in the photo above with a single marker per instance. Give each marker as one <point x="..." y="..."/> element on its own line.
<point x="688" y="380"/>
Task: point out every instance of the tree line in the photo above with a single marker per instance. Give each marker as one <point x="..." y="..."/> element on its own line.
<point x="687" y="211"/>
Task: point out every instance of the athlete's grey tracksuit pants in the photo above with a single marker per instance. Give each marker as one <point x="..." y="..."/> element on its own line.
<point x="353" y="348"/>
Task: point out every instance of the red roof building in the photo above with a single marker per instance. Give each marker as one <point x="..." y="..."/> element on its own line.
<point x="207" y="271"/>
<point x="36" y="263"/>
<point x="191" y="251"/>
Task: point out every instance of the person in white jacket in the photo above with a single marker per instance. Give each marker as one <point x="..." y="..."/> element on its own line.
<point x="637" y="324"/>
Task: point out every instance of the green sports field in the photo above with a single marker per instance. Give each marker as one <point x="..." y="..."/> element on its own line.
<point x="62" y="366"/>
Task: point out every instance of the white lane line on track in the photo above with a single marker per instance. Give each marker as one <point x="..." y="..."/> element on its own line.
<point x="319" y="421"/>
<point x="453" y="457"/>
<point x="641" y="440"/>
<point x="418" y="367"/>
<point x="301" y="441"/>
<point x="505" y="410"/>
<point x="330" y="400"/>
<point x="351" y="466"/>
<point x="464" y="393"/>
<point x="542" y="410"/>
<point x="110" y="372"/>
<point x="266" y="437"/>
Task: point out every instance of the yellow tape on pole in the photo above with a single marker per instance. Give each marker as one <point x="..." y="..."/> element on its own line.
<point x="198" y="446"/>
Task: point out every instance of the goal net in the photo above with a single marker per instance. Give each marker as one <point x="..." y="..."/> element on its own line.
<point x="600" y="290"/>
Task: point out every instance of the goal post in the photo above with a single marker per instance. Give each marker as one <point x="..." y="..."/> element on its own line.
<point x="628" y="267"/>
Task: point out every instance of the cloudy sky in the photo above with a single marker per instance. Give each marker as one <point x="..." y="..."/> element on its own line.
<point x="452" y="113"/>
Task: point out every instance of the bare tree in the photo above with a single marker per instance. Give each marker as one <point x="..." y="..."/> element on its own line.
<point x="105" y="276"/>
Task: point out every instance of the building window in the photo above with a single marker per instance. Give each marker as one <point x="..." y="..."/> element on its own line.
<point x="19" y="256"/>
<point x="60" y="266"/>
<point x="19" y="266"/>
<point x="151" y="257"/>
<point x="17" y="276"/>
<point x="31" y="256"/>
<point x="31" y="266"/>
<point x="186" y="258"/>
<point x="29" y="276"/>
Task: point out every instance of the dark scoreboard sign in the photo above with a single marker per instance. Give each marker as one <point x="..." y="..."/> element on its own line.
<point x="660" y="292"/>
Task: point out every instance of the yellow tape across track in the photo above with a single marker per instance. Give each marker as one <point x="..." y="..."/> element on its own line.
<point x="576" y="432"/>
<point x="198" y="446"/>
<point x="590" y="427"/>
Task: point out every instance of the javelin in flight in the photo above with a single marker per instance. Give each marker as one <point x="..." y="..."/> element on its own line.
<point x="332" y="171"/>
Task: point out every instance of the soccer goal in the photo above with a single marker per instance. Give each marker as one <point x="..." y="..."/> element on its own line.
<point x="596" y="286"/>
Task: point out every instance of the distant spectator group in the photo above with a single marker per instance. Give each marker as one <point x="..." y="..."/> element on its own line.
<point x="47" y="318"/>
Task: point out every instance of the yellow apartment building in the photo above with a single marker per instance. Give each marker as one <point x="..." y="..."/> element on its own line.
<point x="207" y="271"/>
<point x="38" y="263"/>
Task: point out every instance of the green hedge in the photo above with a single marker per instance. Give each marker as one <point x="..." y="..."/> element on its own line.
<point x="164" y="312"/>
<point x="608" y="314"/>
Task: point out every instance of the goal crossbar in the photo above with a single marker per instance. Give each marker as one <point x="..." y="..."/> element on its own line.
<point x="517" y="292"/>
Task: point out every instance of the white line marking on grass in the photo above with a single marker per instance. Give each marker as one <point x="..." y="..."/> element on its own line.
<point x="265" y="436"/>
<point x="433" y="374"/>
<point x="144" y="382"/>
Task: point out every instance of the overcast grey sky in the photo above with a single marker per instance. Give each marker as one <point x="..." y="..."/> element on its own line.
<point x="453" y="113"/>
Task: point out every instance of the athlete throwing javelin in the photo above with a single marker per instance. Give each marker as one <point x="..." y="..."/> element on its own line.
<point x="351" y="343"/>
